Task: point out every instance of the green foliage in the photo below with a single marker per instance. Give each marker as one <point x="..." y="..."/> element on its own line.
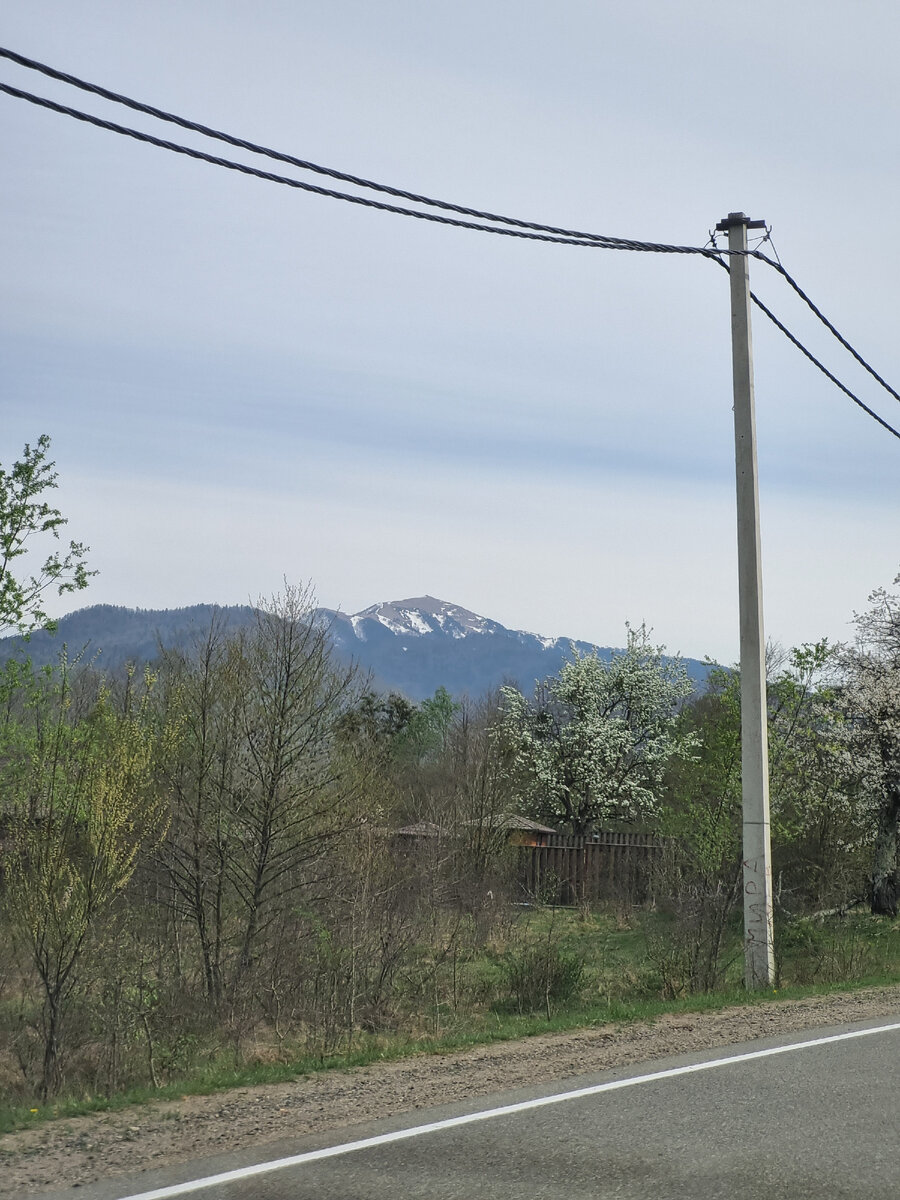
<point x="425" y="733"/>
<point x="819" y="821"/>
<point x="376" y="725"/>
<point x="704" y="789"/>
<point x="817" y="825"/>
<point x="79" y="810"/>
<point x="835" y="949"/>
<point x="696" y="945"/>
<point x="24" y="515"/>
<point x="261" y="782"/>
<point x="618" y="983"/>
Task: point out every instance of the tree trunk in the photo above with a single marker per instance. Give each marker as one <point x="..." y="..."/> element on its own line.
<point x="884" y="867"/>
<point x="50" y="1074"/>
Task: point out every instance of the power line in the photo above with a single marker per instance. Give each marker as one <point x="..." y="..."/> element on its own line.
<point x="244" y="169"/>
<point x="306" y="165"/>
<point x="828" y="375"/>
<point x="364" y="201"/>
<point x="815" y="361"/>
<point x="789" y="279"/>
<point x="526" y="230"/>
<point x="779" y="268"/>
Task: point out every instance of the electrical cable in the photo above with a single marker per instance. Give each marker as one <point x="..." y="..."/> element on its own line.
<point x="521" y="229"/>
<point x="480" y="214"/>
<point x="828" y="375"/>
<point x="815" y="361"/>
<point x="779" y="268"/>
<point x="304" y="164"/>
<point x="244" y="169"/>
<point x="789" y="279"/>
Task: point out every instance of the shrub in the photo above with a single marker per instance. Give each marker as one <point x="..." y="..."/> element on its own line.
<point x="541" y="975"/>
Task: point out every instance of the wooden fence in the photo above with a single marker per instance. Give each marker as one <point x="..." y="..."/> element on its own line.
<point x="604" y="866"/>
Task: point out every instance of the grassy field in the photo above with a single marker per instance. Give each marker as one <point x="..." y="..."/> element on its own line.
<point x="554" y="970"/>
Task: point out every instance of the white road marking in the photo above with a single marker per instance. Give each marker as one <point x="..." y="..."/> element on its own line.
<point x="384" y="1139"/>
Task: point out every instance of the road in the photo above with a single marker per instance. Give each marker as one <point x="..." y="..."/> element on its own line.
<point x="811" y="1115"/>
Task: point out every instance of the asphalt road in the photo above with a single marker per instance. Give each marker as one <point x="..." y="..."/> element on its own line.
<point x="819" y="1121"/>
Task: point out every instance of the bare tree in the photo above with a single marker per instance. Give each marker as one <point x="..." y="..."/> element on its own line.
<point x="484" y="796"/>
<point x="204" y="694"/>
<point x="294" y="794"/>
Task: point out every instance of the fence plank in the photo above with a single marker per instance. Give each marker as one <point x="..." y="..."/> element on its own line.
<point x="605" y="866"/>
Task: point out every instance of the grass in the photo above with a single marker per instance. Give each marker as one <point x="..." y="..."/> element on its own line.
<point x="617" y="986"/>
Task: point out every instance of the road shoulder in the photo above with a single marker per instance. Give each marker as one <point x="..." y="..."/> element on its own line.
<point x="81" y="1150"/>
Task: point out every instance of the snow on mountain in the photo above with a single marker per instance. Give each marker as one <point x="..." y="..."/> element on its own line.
<point x="418" y="644"/>
<point x="421" y="643"/>
<point x="419" y="616"/>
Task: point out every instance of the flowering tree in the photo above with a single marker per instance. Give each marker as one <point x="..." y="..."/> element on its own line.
<point x="872" y="703"/>
<point x="821" y="817"/>
<point x="595" y="741"/>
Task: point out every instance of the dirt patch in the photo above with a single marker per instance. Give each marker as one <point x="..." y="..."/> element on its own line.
<point x="81" y="1150"/>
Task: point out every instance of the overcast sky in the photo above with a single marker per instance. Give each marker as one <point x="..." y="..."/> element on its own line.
<point x="244" y="383"/>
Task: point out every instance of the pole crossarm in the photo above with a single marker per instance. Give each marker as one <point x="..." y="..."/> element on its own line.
<point x="736" y="220"/>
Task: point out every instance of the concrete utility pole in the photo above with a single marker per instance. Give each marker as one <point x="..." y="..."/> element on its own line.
<point x="759" y="956"/>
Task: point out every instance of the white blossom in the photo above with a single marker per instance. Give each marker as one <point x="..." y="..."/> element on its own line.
<point x="595" y="741"/>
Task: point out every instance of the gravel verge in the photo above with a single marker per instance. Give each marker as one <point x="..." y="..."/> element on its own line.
<point x="80" y="1150"/>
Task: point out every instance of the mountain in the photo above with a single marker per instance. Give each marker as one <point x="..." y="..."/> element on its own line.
<point x="411" y="646"/>
<point x="108" y="636"/>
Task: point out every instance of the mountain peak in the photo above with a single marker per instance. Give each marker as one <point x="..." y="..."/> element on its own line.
<point x="418" y="616"/>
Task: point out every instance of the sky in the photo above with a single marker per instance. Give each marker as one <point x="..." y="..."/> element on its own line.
<point x="246" y="384"/>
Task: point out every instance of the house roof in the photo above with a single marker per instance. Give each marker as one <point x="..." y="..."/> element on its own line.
<point x="508" y="822"/>
<point x="515" y="821"/>
<point x="420" y="829"/>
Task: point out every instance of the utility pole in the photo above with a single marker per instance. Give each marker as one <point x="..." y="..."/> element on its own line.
<point x="759" y="955"/>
